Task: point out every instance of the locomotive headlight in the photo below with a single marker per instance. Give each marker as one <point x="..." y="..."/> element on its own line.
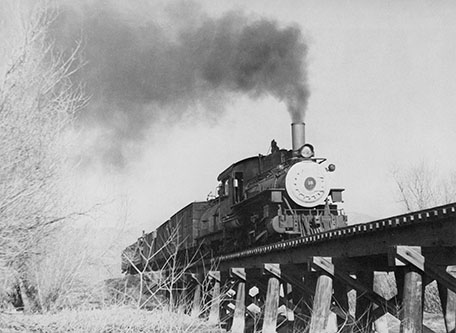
<point x="307" y="151"/>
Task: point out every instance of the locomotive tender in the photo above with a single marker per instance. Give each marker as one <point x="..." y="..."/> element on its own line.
<point x="261" y="199"/>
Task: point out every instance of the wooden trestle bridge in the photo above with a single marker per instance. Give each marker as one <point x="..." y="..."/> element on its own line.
<point x="311" y="277"/>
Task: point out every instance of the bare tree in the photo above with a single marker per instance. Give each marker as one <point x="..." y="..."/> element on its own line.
<point x="420" y="187"/>
<point x="173" y="267"/>
<point x="423" y="186"/>
<point x="37" y="103"/>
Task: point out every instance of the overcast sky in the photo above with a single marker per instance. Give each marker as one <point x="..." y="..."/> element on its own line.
<point x="382" y="82"/>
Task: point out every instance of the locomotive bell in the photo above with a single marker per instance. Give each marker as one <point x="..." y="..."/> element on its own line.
<point x="297" y="135"/>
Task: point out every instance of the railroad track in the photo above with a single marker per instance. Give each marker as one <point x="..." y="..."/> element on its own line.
<point x="416" y="228"/>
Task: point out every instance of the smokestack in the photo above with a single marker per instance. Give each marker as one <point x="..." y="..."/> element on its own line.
<point x="298" y="138"/>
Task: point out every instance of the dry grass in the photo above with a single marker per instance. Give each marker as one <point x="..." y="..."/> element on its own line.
<point x="113" y="320"/>
<point x="117" y="319"/>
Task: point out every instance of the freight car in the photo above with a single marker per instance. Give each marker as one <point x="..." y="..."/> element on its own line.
<point x="260" y="199"/>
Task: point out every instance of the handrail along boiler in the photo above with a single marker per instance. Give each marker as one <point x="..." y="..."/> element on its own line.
<point x="261" y="199"/>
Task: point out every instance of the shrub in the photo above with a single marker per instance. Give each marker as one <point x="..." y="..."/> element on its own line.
<point x="37" y="103"/>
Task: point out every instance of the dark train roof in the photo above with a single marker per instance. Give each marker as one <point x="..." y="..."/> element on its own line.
<point x="228" y="170"/>
<point x="268" y="161"/>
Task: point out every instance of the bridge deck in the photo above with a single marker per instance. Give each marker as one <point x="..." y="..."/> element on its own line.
<point x="434" y="230"/>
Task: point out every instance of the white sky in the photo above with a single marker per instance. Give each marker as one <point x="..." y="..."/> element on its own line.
<point x="383" y="93"/>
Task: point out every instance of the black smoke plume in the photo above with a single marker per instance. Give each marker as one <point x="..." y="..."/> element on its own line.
<point x="142" y="69"/>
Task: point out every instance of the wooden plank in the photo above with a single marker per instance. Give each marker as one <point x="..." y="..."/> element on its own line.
<point x="215" y="275"/>
<point x="271" y="305"/>
<point x="412" y="320"/>
<point x="410" y="255"/>
<point x="238" y="273"/>
<point x="273" y="269"/>
<point x="322" y="263"/>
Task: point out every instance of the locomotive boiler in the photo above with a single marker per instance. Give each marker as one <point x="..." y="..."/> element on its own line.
<point x="260" y="199"/>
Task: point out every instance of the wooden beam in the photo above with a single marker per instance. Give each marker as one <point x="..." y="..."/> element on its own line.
<point x="345" y="320"/>
<point x="399" y="277"/>
<point x="196" y="299"/>
<point x="227" y="312"/>
<point x="413" y="290"/>
<point x="323" y="294"/>
<point x="238" y="325"/>
<point x="408" y="255"/>
<point x="272" y="269"/>
<point x="412" y="321"/>
<point x="321" y="304"/>
<point x="271" y="305"/>
<point x="448" y="301"/>
<point x="214" y="275"/>
<point x="377" y="262"/>
<point x="411" y="255"/>
<point x="214" y="314"/>
<point x="361" y="289"/>
<point x="238" y="273"/>
<point x="412" y="301"/>
<point x="381" y="322"/>
<point x="181" y="304"/>
<point x="288" y="291"/>
<point x="364" y="305"/>
<point x="299" y="302"/>
<point x="440" y="255"/>
<point x="295" y="279"/>
<point x="322" y="264"/>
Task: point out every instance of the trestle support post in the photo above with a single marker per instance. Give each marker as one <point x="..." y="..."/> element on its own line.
<point x="196" y="307"/>
<point x="412" y="320"/>
<point x="214" y="314"/>
<point x="323" y="294"/>
<point x="238" y="325"/>
<point x="272" y="298"/>
<point x="412" y="301"/>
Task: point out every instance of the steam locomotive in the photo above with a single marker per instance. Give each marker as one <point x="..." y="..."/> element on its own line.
<point x="261" y="199"/>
